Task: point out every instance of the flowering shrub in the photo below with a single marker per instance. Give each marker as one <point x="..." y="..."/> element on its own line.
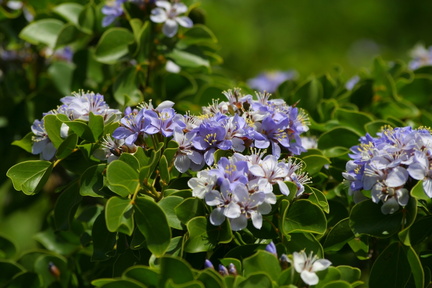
<point x="168" y="176"/>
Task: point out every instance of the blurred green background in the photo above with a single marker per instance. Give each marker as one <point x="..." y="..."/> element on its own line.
<point x="313" y="36"/>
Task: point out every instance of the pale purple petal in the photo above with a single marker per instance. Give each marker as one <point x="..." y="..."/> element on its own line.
<point x="184" y="21"/>
<point x="217" y="217"/>
<point x="170" y="28"/>
<point x="397" y="177"/>
<point x="310" y="278"/>
<point x="158" y="15"/>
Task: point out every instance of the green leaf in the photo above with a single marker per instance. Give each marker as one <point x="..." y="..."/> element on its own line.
<point x="304" y="241"/>
<point x="86" y="19"/>
<point x="25" y="143"/>
<point x="176" y="269"/>
<point x="43" y="31"/>
<point x="314" y="163"/>
<point x="69" y="11"/>
<point x="153" y="224"/>
<point x="210" y="278"/>
<point x="304" y="216"/>
<point x="186" y="59"/>
<point x="309" y="94"/>
<point x="190" y="208"/>
<point x="67" y="146"/>
<point x="420" y="230"/>
<point x="91" y="181"/>
<point x="61" y="73"/>
<point x="7" y="248"/>
<point x="67" y="35"/>
<point x="66" y="206"/>
<point x="126" y="87"/>
<point x="391" y="268"/>
<point x="418" y="192"/>
<point x="53" y="125"/>
<point x="203" y="236"/>
<point x="30" y="176"/>
<point x="104" y="241"/>
<point x="349" y="274"/>
<point x="338" y="236"/>
<point x="96" y="125"/>
<point x="7" y="271"/>
<point x="367" y="219"/>
<point x="353" y="119"/>
<point x="344" y="137"/>
<point x="119" y="215"/>
<point x="256" y="280"/>
<point x="376" y="126"/>
<point x="82" y="129"/>
<point x="122" y="178"/>
<point x="262" y="261"/>
<point x="164" y="171"/>
<point x="26" y="279"/>
<point x="143" y="274"/>
<point x="113" y="45"/>
<point x="168" y="205"/>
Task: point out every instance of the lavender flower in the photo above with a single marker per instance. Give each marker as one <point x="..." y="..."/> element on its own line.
<point x="307" y="266"/>
<point x="80" y="105"/>
<point x="389" y="164"/>
<point x="41" y="143"/>
<point x="270" y="81"/>
<point x="168" y="13"/>
<point x="271" y="247"/>
<point x="112" y="10"/>
<point x="240" y="189"/>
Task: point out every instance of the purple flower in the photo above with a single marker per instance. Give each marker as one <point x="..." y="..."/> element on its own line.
<point x="271" y="247"/>
<point x="131" y="127"/>
<point x="230" y="169"/>
<point x="165" y="121"/>
<point x="388" y="164"/>
<point x="187" y="157"/>
<point x="270" y="81"/>
<point x="211" y="136"/>
<point x="168" y="13"/>
<point x="80" y="105"/>
<point x="274" y="129"/>
<point x="112" y="10"/>
<point x="41" y="143"/>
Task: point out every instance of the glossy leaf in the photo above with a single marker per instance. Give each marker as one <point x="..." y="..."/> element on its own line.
<point x="143" y="274"/>
<point x="119" y="215"/>
<point x="203" y="236"/>
<point x="91" y="181"/>
<point x="367" y="219"/>
<point x="338" y="236"/>
<point x="176" y="269"/>
<point x="113" y="45"/>
<point x="190" y="208"/>
<point x="30" y="176"/>
<point x="7" y="271"/>
<point x="53" y="125"/>
<point x="153" y="224"/>
<point x="262" y="261"/>
<point x="66" y="206"/>
<point x="122" y="178"/>
<point x="395" y="260"/>
<point x="304" y="216"/>
<point x="168" y="205"/>
<point x="69" y="11"/>
<point x="186" y="59"/>
<point x="126" y="87"/>
<point x="44" y="31"/>
<point x="104" y="241"/>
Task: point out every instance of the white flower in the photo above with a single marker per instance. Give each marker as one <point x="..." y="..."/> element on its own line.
<point x="308" y="265"/>
<point x="202" y="184"/>
<point x="167" y="13"/>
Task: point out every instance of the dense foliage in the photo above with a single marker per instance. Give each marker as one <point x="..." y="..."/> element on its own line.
<point x="161" y="171"/>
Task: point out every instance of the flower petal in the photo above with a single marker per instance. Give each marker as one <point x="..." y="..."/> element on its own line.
<point x="184" y="21"/>
<point x="170" y="28"/>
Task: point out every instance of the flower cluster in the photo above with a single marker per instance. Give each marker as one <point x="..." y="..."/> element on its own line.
<point x="389" y="164"/>
<point x="241" y="187"/>
<point x="235" y="125"/>
<point x="78" y="106"/>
